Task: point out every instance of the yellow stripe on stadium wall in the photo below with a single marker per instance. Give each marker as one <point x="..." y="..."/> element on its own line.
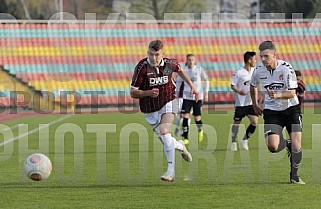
<point x="141" y="50"/>
<point x="80" y="84"/>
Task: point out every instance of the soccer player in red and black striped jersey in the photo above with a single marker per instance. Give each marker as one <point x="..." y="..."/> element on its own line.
<point x="153" y="85"/>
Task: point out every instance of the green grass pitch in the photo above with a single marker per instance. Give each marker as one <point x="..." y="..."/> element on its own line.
<point x="113" y="160"/>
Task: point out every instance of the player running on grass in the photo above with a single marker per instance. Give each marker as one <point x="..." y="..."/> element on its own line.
<point x="153" y="85"/>
<point x="198" y="76"/>
<point x="281" y="106"/>
<point x="240" y="84"/>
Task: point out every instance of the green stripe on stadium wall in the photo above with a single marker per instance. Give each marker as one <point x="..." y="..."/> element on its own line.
<point x="162" y="32"/>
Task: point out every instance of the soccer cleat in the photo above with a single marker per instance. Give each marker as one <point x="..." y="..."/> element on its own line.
<point x="296" y="180"/>
<point x="176" y="131"/>
<point x="186" y="155"/>
<point x="234" y="146"/>
<point x="200" y="136"/>
<point x="185" y="141"/>
<point x="168" y="176"/>
<point x="245" y="145"/>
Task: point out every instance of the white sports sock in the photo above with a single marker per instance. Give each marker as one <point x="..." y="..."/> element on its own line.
<point x="169" y="149"/>
<point x="178" y="145"/>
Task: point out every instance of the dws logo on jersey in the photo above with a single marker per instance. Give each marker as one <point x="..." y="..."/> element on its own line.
<point x="274" y="86"/>
<point x="158" y="81"/>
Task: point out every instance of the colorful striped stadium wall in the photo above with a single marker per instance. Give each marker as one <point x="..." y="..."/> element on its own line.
<point x="97" y="60"/>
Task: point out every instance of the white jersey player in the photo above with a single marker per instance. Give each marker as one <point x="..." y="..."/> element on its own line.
<point x="201" y="82"/>
<point x="281" y="106"/>
<point x="240" y="84"/>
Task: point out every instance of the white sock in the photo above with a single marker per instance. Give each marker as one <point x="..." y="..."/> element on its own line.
<point x="169" y="149"/>
<point x="178" y="145"/>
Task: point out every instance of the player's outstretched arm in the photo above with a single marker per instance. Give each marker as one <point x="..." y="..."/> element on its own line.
<point x="236" y="90"/>
<point x="254" y="96"/>
<point x="206" y="80"/>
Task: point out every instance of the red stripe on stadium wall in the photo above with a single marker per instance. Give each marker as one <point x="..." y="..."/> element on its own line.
<point x="224" y="75"/>
<point x="102" y="75"/>
<point x="20" y="60"/>
<point x="76" y="76"/>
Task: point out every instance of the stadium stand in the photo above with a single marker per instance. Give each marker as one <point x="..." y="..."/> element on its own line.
<point x="89" y="59"/>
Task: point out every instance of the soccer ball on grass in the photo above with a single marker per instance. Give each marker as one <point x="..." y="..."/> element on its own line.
<point x="38" y="167"/>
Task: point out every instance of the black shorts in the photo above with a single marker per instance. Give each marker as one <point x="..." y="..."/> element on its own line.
<point x="275" y="121"/>
<point x="188" y="104"/>
<point x="241" y="112"/>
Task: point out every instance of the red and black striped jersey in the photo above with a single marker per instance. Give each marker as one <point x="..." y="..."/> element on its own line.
<point x="147" y="77"/>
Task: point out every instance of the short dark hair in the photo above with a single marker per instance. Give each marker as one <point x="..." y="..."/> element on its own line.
<point x="248" y="55"/>
<point x="156" y="45"/>
<point x="267" y="45"/>
<point x="190" y="55"/>
<point x="297" y="72"/>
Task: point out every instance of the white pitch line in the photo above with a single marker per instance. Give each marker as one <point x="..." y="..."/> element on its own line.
<point x="34" y="130"/>
<point x="11" y="128"/>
